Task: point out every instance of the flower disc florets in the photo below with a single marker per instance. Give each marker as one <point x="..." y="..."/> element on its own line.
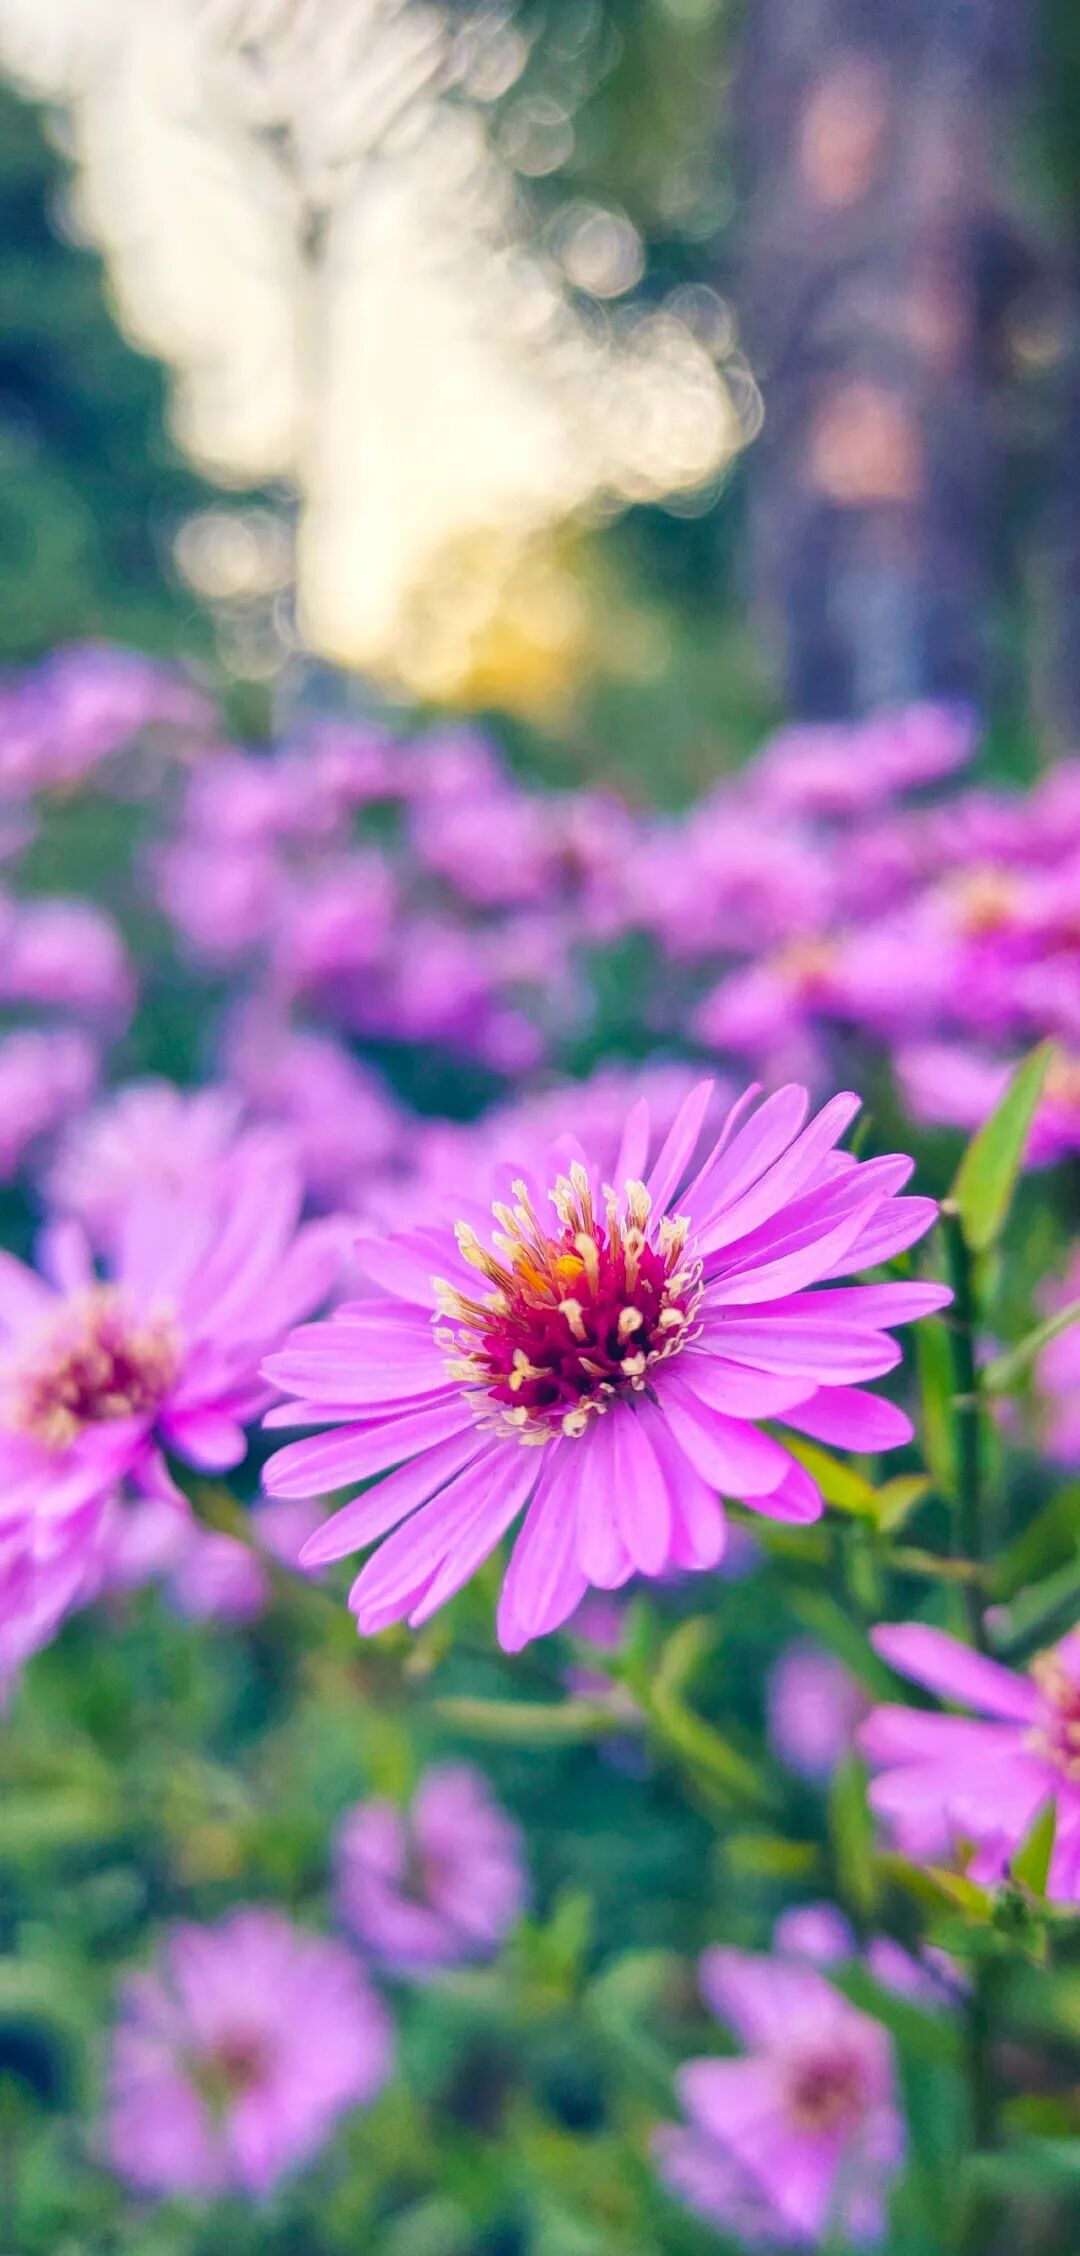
<point x="1056" y="1735"/>
<point x="577" y="1317"/>
<point x="95" y="1361"/>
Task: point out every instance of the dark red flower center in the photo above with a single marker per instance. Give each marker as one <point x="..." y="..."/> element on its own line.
<point x="825" y="2091"/>
<point x="1056" y="1735"/>
<point x="577" y="1316"/>
<point x="96" y="1361"/>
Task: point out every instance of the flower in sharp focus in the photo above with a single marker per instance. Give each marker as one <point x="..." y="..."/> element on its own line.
<point x="798" y="2137"/>
<point x="102" y="1374"/>
<point x="236" y="2056"/>
<point x="981" y="1780"/>
<point x="438" y="1884"/>
<point x="600" y="1359"/>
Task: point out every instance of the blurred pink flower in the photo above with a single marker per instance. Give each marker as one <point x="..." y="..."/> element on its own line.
<point x="981" y="1781"/>
<point x="609" y="1373"/>
<point x="46" y="1074"/>
<point x="438" y="1884"/>
<point x="66" y="955"/>
<point x="803" y="2130"/>
<point x="814" y="1707"/>
<point x="237" y="2055"/>
<point x="99" y="1375"/>
<point x="149" y="1136"/>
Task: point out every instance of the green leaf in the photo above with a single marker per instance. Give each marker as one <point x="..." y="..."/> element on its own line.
<point x="975" y="1902"/>
<point x="899" y="1498"/>
<point x="1001" y="1376"/>
<point x="851" y="1828"/>
<point x="1031" y="1864"/>
<point x="986" y="1177"/>
<point x="840" y="1485"/>
<point x="1038" y="1613"/>
<point x="934" y="1362"/>
<point x="529" y="1723"/>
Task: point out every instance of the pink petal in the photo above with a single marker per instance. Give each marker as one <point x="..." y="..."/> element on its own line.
<point x="797" y="1498"/>
<point x="782" y="1181"/>
<point x="678" y="1146"/>
<point x="642" y="1510"/>
<point x="371" y="1515"/>
<point x="356" y="1452"/>
<point x="954" y="1671"/>
<point x="758" y="1144"/>
<point x="507" y="1492"/>
<point x="601" y="1553"/>
<point x="543" y="1584"/>
<point x="634" y="1146"/>
<point x="849" y="1418"/>
<point x="204" y="1438"/>
<point x="399" y="1573"/>
<point x="899" y="1225"/>
<point x="830" y="1353"/>
<point x="732" y="1387"/>
<point x="729" y="1452"/>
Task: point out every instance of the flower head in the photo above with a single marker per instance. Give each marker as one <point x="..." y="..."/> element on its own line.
<point x="802" y="2131"/>
<point x="435" y="1885"/>
<point x="814" y="1704"/>
<point x="102" y="1374"/>
<point x="981" y="1782"/>
<point x="234" y="2059"/>
<point x="601" y="1358"/>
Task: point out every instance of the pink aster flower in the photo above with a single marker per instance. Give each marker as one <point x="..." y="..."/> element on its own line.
<point x="100" y="1374"/>
<point x="814" y="1705"/>
<point x="804" y="2127"/>
<point x="438" y="1884"/>
<point x="148" y="1134"/>
<point x="600" y="1359"/>
<point x="66" y="954"/>
<point x="237" y="2055"/>
<point x="45" y="1075"/>
<point x="981" y="1781"/>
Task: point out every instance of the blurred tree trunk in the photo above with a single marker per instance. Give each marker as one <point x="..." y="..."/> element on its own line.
<point x="882" y="261"/>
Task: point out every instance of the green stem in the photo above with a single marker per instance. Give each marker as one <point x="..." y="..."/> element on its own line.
<point x="968" y="1412"/>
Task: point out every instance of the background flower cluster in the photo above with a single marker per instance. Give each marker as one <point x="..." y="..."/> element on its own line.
<point x="683" y="1925"/>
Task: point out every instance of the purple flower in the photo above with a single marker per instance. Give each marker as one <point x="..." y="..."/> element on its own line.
<point x="237" y="2055"/>
<point x="45" y="1075"/>
<point x="148" y="1135"/>
<point x="100" y="1374"/>
<point x="814" y="1706"/>
<point x="346" y="1127"/>
<point x="802" y="2131"/>
<point x="601" y="1360"/>
<point x="438" y="1884"/>
<point x="983" y="1781"/>
<point x="65" y="954"/>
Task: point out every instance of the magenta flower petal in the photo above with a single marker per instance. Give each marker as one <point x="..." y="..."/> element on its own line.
<point x="852" y="1419"/>
<point x="399" y="1494"/>
<point x="954" y="1671"/>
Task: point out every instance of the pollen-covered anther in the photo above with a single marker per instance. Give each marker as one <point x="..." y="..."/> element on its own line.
<point x="580" y="1312"/>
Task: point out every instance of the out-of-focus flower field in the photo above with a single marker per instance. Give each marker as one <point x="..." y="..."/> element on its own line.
<point x="540" y="1267"/>
<point x="320" y="1937"/>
